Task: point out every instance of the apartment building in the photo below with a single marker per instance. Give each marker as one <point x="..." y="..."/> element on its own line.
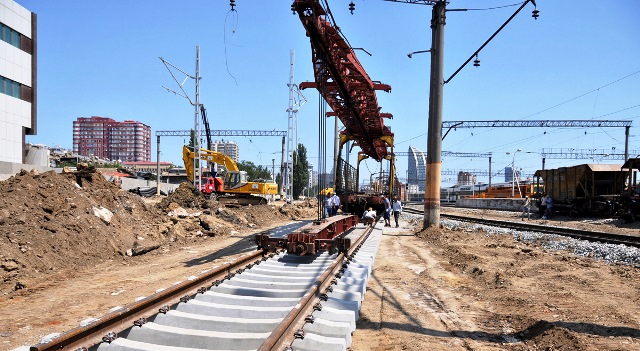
<point x="18" y="88"/>
<point x="229" y="148"/>
<point x="128" y="141"/>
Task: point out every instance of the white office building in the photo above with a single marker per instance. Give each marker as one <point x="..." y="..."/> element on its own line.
<point x="18" y="88"/>
<point x="417" y="172"/>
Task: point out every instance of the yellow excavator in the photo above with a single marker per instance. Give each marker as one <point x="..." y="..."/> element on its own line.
<point x="235" y="188"/>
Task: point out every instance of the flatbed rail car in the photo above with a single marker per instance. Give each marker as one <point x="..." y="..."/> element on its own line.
<point x="586" y="189"/>
<point x="326" y="235"/>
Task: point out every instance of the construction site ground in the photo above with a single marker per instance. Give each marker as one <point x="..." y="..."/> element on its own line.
<point x="72" y="246"/>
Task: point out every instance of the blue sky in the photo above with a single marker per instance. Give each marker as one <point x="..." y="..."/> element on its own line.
<point x="579" y="60"/>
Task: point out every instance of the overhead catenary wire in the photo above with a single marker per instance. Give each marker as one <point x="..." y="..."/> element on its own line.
<point x="581" y="95"/>
<point x="235" y="27"/>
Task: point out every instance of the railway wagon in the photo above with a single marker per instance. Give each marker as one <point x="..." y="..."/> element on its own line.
<point x="586" y="189"/>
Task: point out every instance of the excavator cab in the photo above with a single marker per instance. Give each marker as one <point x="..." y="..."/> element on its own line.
<point x="235" y="179"/>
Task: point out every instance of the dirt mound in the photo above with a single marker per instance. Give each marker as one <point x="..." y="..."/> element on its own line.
<point x="51" y="221"/>
<point x="185" y="196"/>
<point x="59" y="223"/>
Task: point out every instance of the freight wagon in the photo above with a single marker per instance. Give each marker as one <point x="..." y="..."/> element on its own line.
<point x="587" y="189"/>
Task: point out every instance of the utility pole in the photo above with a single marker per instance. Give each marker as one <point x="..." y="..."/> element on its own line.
<point x="158" y="166"/>
<point x="197" y="174"/>
<point x="434" y="139"/>
<point x="296" y="100"/>
<point x="282" y="193"/>
<point x="490" y="171"/>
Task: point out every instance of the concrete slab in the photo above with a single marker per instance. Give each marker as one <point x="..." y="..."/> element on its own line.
<point x="272" y="284"/>
<point x="231" y="289"/>
<point x="313" y="342"/>
<point x="121" y="344"/>
<point x="249" y="312"/>
<point x="181" y="319"/>
<point x="211" y="296"/>
<point x="203" y="339"/>
<point x="330" y="329"/>
<point x="337" y="315"/>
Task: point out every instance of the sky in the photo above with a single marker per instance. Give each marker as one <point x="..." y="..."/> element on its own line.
<point x="578" y="61"/>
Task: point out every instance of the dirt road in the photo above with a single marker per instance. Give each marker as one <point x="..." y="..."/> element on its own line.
<point x="462" y="290"/>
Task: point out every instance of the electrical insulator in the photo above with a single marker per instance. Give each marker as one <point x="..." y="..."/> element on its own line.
<point x="352" y="7"/>
<point x="535" y="14"/>
<point x="476" y="62"/>
<point x="232" y="3"/>
<point x="293" y="8"/>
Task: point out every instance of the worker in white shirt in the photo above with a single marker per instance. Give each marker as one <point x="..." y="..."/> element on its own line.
<point x="336" y="204"/>
<point x="396" y="206"/>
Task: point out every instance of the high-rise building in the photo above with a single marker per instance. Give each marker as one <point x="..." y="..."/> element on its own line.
<point x="18" y="88"/>
<point x="417" y="172"/>
<point x="229" y="148"/>
<point x="511" y="175"/>
<point x="103" y="137"/>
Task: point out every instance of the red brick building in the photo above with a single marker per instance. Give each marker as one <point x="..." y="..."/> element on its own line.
<point x="103" y="137"/>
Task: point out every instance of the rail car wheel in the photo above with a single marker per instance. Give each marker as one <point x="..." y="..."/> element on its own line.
<point x="573" y="212"/>
<point x="300" y="248"/>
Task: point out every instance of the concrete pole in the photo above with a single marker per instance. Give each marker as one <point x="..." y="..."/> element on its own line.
<point x="282" y="170"/>
<point x="158" y="165"/>
<point x="626" y="143"/>
<point x="434" y="139"/>
<point x="489" y="171"/>
<point x="273" y="169"/>
<point x="513" y="175"/>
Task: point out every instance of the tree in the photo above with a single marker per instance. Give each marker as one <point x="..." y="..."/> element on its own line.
<point x="300" y="171"/>
<point x="254" y="172"/>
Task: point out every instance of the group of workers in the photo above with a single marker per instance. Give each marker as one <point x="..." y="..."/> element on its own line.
<point x="545" y="207"/>
<point x="394" y="206"/>
<point x="331" y="204"/>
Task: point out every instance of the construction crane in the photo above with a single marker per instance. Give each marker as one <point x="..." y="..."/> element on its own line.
<point x="343" y="82"/>
<point x="351" y="94"/>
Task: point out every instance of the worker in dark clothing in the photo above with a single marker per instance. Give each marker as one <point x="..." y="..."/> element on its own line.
<point x="548" y="213"/>
<point x="542" y="205"/>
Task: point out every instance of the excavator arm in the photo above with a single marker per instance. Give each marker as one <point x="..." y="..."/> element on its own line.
<point x="209" y="156"/>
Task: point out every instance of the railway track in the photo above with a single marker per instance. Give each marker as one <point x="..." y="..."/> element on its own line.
<point x="610" y="238"/>
<point x="260" y="301"/>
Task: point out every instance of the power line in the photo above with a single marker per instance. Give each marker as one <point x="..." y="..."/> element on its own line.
<point x="539" y="123"/>
<point x="579" y="96"/>
<point x="246" y="133"/>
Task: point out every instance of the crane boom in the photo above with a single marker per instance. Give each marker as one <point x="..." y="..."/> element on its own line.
<point x="343" y="82"/>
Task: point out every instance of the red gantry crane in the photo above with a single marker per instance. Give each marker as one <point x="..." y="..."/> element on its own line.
<point x="343" y="82"/>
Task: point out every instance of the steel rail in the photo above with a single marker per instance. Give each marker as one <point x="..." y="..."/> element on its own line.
<point x="571" y="232"/>
<point x="117" y="321"/>
<point x="604" y="237"/>
<point x="285" y="333"/>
